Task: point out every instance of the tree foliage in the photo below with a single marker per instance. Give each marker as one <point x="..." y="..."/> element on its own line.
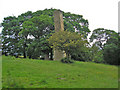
<point x="74" y="22"/>
<point x="96" y="54"/>
<point x="10" y="35"/>
<point x="107" y="44"/>
<point x="11" y="27"/>
<point x="39" y="28"/>
<point x="69" y="42"/>
<point x="100" y="36"/>
<point x="17" y="31"/>
<point x="112" y="50"/>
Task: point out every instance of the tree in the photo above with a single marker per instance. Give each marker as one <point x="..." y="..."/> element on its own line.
<point x="11" y="27"/>
<point x="105" y="41"/>
<point x="96" y="54"/>
<point x="69" y="42"/>
<point x="74" y="22"/>
<point x="112" y="50"/>
<point x="100" y="36"/>
<point x="39" y="28"/>
<point x="10" y="35"/>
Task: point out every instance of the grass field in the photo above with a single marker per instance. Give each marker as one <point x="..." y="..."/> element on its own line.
<point x="28" y="73"/>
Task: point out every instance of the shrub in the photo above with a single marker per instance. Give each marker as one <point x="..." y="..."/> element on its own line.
<point x="111" y="54"/>
<point x="66" y="60"/>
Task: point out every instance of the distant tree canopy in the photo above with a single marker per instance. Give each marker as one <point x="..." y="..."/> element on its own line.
<point x="106" y="46"/>
<point x="20" y="35"/>
<point x="101" y="35"/>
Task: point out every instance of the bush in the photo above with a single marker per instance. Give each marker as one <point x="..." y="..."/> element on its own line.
<point x="80" y="57"/>
<point x="66" y="60"/>
<point x="111" y="54"/>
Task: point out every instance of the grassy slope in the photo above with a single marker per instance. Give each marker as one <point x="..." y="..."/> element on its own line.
<point x="26" y="73"/>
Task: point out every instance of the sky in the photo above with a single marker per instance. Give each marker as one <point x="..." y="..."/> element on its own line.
<point x="99" y="13"/>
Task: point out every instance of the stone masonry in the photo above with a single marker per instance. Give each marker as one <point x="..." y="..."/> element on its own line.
<point x="58" y="20"/>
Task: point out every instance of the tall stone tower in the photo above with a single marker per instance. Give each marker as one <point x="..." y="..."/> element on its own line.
<point x="59" y="25"/>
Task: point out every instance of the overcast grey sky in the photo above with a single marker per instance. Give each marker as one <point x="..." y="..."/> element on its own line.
<point x="100" y="13"/>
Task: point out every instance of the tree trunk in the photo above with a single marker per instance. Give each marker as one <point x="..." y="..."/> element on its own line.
<point x="51" y="54"/>
<point x="24" y="54"/>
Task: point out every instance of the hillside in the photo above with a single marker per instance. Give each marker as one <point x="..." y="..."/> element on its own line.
<point x="29" y="73"/>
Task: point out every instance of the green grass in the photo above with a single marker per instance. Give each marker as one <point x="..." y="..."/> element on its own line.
<point x="28" y="73"/>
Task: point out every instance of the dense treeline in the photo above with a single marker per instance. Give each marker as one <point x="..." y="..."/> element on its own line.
<point x="27" y="35"/>
<point x="17" y="32"/>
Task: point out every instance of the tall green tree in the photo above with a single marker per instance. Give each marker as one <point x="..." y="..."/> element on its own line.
<point x="11" y="27"/>
<point x="108" y="45"/>
<point x="10" y="35"/>
<point x="39" y="28"/>
<point x="100" y="36"/>
<point x="112" y="50"/>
